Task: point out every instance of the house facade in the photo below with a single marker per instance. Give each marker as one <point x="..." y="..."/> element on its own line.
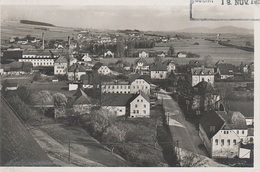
<point x="143" y="54"/>
<point x="61" y="66"/>
<point x="141" y="66"/>
<point x="104" y="70"/>
<point x="222" y="133"/>
<point x="158" y="71"/>
<point x="198" y="74"/>
<point x="109" y="54"/>
<point x="115" y="87"/>
<point x="138" y="85"/>
<point x="38" y="60"/>
<point x="140" y="106"/>
<point x="170" y="65"/>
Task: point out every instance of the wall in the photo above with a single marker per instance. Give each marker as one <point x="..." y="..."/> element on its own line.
<point x="140" y="84"/>
<point x="158" y="74"/>
<point x="116" y="88"/>
<point x="104" y="70"/>
<point x="119" y="110"/>
<point x="139" y="107"/>
<point x="198" y="78"/>
<point x="60" y="68"/>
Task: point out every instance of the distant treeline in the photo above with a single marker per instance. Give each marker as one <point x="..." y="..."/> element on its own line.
<point x="35" y="23"/>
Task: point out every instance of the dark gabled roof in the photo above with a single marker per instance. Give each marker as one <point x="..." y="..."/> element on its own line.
<point x="234" y="120"/>
<point x="246" y="107"/>
<point x="76" y="67"/>
<point x="202" y="71"/>
<point x="12" y="54"/>
<point x="226" y="69"/>
<point x="158" y="67"/>
<point x="140" y="60"/>
<point x="110" y="99"/>
<point x="146" y="97"/>
<point x="80" y="98"/>
<point x="97" y="66"/>
<point x="195" y="63"/>
<point x="211" y="118"/>
<point x="135" y="76"/>
<point x="61" y="59"/>
<point x="167" y="62"/>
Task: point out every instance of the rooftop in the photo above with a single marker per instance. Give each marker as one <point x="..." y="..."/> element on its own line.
<point x="202" y="71"/>
<point x="234" y="120"/>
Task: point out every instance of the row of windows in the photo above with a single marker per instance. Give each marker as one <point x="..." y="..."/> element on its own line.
<point x="222" y="142"/>
<point x="117" y="92"/>
<point x="42" y="63"/>
<point x="113" y="87"/>
<point x="60" y="67"/>
<point x="140" y="82"/>
<point x="138" y="100"/>
<point x="137" y="105"/>
<point x="137" y="111"/>
<point x="37" y="60"/>
<point x="57" y="71"/>
<point x="141" y="87"/>
<point x="243" y="132"/>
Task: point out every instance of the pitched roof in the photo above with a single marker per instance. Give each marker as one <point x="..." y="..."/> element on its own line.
<point x="203" y="87"/>
<point x="140" y="60"/>
<point x="158" y="67"/>
<point x="226" y="69"/>
<point x="110" y="99"/>
<point x="146" y="97"/>
<point x="61" y="59"/>
<point x="80" y="98"/>
<point x="135" y="76"/>
<point x="97" y="66"/>
<point x="167" y="62"/>
<point x="202" y="71"/>
<point x="211" y="118"/>
<point x="234" y="120"/>
<point x="76" y="67"/>
<point x="246" y="108"/>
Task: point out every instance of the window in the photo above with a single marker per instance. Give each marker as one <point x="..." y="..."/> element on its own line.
<point x="137" y="100"/>
<point x="234" y="142"/>
<point x="222" y="142"/>
<point x="224" y="132"/>
<point x="137" y="111"/>
<point x="228" y="142"/>
<point x="145" y="105"/>
<point x="120" y="110"/>
<point x="144" y="111"/>
<point x="141" y="100"/>
<point x="136" y="106"/>
<point x="243" y="132"/>
<point x="227" y="132"/>
<point x="237" y="131"/>
<point x="133" y="111"/>
<point x="216" y="141"/>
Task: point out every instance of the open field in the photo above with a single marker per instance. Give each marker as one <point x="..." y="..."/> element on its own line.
<point x="14" y="28"/>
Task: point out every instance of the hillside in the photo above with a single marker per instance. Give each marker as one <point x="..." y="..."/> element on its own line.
<point x="35" y="23"/>
<point x="18" y="147"/>
<point x="223" y="29"/>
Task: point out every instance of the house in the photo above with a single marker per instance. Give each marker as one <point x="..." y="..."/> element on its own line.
<point x="109" y="54"/>
<point x="222" y="133"/>
<point x="115" y="87"/>
<point x="73" y="61"/>
<point x="73" y="86"/>
<point x="141" y="83"/>
<point x="225" y="71"/>
<point x="86" y="58"/>
<point x="140" y="106"/>
<point x="61" y="66"/>
<point x="143" y="54"/>
<point x="198" y="74"/>
<point x="118" y="103"/>
<point x="39" y="58"/>
<point x="11" y="86"/>
<point x="104" y="70"/>
<point x="75" y="71"/>
<point x="182" y="54"/>
<point x="158" y="71"/>
<point x="161" y="55"/>
<point x="141" y="66"/>
<point x="164" y="39"/>
<point x="170" y="65"/>
<point x="80" y="102"/>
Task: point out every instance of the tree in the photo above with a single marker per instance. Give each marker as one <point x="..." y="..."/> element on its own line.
<point x="59" y="100"/>
<point x="114" y="134"/>
<point x="37" y="77"/>
<point x="208" y="61"/>
<point x="171" y="51"/>
<point x="24" y="94"/>
<point x="43" y="98"/>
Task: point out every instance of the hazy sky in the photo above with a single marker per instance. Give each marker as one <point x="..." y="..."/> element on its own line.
<point x="161" y="18"/>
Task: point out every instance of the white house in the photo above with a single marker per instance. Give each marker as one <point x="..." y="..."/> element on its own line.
<point x="104" y="70"/>
<point x="182" y="55"/>
<point x="223" y="132"/>
<point x="115" y="87"/>
<point x="11" y="86"/>
<point x="198" y="74"/>
<point x="38" y="60"/>
<point x="171" y="67"/>
<point x="140" y="84"/>
<point x="141" y="66"/>
<point x="143" y="54"/>
<point x="75" y="71"/>
<point x="140" y="106"/>
<point x="109" y="54"/>
<point x="158" y="71"/>
<point x="61" y="66"/>
<point x="86" y="58"/>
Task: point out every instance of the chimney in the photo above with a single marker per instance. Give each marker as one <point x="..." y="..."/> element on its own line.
<point x="69" y="41"/>
<point x="42" y="40"/>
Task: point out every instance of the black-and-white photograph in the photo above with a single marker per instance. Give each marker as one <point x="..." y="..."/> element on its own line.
<point x="125" y="86"/>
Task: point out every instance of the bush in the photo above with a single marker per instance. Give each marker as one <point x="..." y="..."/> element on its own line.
<point x="37" y="77"/>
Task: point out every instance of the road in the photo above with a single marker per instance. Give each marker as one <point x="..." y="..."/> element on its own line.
<point x="182" y="131"/>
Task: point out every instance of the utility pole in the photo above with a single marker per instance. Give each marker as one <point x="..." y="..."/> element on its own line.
<point x="69" y="151"/>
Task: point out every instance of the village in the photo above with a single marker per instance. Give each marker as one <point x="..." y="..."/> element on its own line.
<point x="112" y="84"/>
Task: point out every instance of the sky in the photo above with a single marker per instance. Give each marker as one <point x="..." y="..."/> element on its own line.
<point x="142" y="17"/>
